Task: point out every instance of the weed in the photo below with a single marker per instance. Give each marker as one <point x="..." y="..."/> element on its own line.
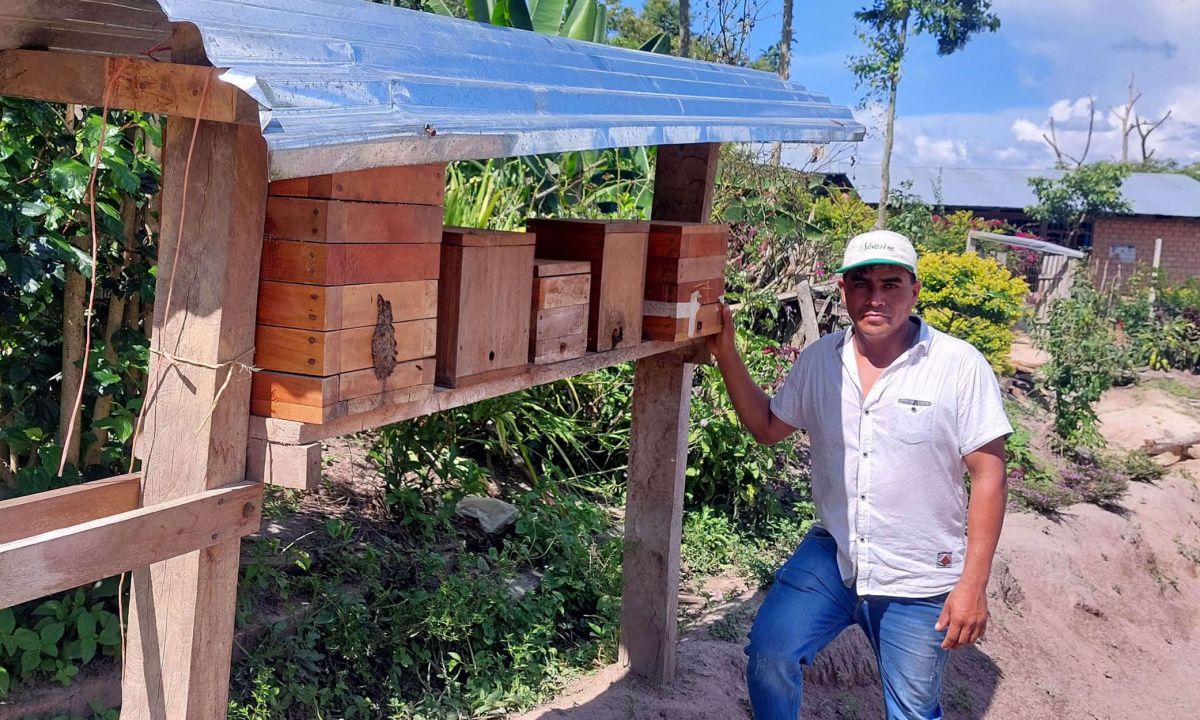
<point x="1140" y="466"/>
<point x="849" y="707"/>
<point x="959" y="699"/>
<point x="1189" y="552"/>
<point x="709" y="541"/>
<point x="1175" y="387"/>
<point x="734" y="625"/>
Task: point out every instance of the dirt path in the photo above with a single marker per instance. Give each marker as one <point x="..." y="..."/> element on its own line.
<point x="1094" y="615"/>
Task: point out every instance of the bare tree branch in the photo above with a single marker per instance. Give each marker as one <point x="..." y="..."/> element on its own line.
<point x="1144" y="128"/>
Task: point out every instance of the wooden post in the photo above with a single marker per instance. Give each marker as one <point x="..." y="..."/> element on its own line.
<point x="1154" y="276"/>
<point x="662" y="391"/>
<point x="809" y="331"/>
<point x="181" y="617"/>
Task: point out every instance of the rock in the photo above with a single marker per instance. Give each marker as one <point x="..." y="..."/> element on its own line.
<point x="493" y="515"/>
<point x="1193" y="452"/>
<point x="524" y="583"/>
<point x="1168" y="458"/>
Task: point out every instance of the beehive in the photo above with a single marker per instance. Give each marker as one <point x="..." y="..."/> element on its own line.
<point x="685" y="278"/>
<point x="616" y="250"/>
<point x="559" y="322"/>
<point x="484" y="300"/>
<point x="347" y="301"/>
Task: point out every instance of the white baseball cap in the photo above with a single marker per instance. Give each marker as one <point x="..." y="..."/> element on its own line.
<point x="879" y="247"/>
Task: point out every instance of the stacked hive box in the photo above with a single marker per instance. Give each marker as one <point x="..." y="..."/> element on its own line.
<point x="685" y="278"/>
<point x="483" y="318"/>
<point x="561" y="291"/>
<point x="347" y="302"/>
<point x="616" y="250"/>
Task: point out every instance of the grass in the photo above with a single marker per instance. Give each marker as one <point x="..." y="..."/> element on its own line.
<point x="1175" y="387"/>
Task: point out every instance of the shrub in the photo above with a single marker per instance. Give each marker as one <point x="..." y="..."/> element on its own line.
<point x="1094" y="482"/>
<point x="974" y="299"/>
<point x="1140" y="466"/>
<point x="1084" y="362"/>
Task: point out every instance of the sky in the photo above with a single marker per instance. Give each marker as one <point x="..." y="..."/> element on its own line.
<point x="988" y="105"/>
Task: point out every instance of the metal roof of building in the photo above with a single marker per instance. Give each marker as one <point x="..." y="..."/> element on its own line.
<point x="349" y="84"/>
<point x="1167" y="194"/>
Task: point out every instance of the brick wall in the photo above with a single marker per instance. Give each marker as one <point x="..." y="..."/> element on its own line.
<point x="1180" y="249"/>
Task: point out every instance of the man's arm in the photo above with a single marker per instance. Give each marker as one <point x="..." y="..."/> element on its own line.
<point x="965" y="615"/>
<point x="753" y="406"/>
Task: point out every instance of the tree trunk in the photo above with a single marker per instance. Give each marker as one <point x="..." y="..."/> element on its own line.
<point x="685" y="28"/>
<point x="74" y="299"/>
<point x="785" y="41"/>
<point x="885" y="166"/>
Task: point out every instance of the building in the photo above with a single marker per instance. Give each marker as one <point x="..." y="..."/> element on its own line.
<point x="1165" y="205"/>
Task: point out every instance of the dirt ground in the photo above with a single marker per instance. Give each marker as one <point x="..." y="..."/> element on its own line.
<point x="1095" y="614"/>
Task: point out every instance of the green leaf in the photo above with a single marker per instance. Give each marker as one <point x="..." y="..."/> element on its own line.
<point x="85" y="624"/>
<point x="70" y="177"/>
<point x="50" y="635"/>
<point x="5" y="681"/>
<point x="518" y="15"/>
<point x="30" y="659"/>
<point x="660" y="43"/>
<point x="87" y="649"/>
<point x="547" y="15"/>
<point x="110" y="635"/>
<point x="601" y="27"/>
<point x="480" y="10"/>
<point x="8" y="621"/>
<point x="438" y="7"/>
<point x="27" y="639"/>
<point x="581" y="23"/>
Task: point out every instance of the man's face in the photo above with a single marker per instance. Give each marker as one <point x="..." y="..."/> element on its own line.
<point x="879" y="299"/>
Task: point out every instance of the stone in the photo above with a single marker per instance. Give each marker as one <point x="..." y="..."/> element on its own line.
<point x="1168" y="458"/>
<point x="524" y="583"/>
<point x="493" y="515"/>
<point x="1193" y="452"/>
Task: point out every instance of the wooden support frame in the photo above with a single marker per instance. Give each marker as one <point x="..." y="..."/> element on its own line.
<point x="31" y="515"/>
<point x="146" y="85"/>
<point x="77" y="553"/>
<point x="662" y="392"/>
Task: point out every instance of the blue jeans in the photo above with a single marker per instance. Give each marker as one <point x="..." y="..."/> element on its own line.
<point x="809" y="606"/>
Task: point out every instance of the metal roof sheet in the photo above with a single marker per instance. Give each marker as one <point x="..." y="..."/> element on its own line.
<point x="1168" y="194"/>
<point x="348" y="84"/>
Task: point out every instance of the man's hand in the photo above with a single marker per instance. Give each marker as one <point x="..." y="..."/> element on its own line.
<point x="721" y="344"/>
<point x="964" y="617"/>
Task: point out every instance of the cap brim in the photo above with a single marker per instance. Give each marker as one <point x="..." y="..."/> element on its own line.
<point x="867" y="263"/>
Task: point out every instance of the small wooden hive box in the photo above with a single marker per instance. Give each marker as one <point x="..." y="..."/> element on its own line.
<point x="617" y="252"/>
<point x="484" y="301"/>
<point x="685" y="278"/>
<point x="347" y="301"/>
<point x="561" y="289"/>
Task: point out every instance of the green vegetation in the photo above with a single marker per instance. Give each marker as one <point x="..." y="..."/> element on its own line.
<point x="1079" y="195"/>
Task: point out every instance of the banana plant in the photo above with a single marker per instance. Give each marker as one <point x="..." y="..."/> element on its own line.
<point x="575" y="19"/>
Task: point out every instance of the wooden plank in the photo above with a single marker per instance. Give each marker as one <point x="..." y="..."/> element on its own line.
<point x="341" y="307"/>
<point x="308" y="352"/>
<point x="558" y="349"/>
<point x="75" y="555"/>
<point x="146" y="85"/>
<point x="662" y="390"/>
<point x="322" y="391"/>
<point x="548" y="267"/>
<point x="481" y="237"/>
<point x="706" y="291"/>
<point x="341" y="221"/>
<point x="583" y="229"/>
<point x="562" y="291"/>
<point x="290" y="466"/>
<point x="348" y="264"/>
<point x="684" y="270"/>
<point x="690" y="245"/>
<point x="293" y="433"/>
<point x="559" y="322"/>
<point x="675" y="329"/>
<point x="180" y="633"/>
<point x="35" y="514"/>
<point x="484" y="310"/>
<point x="419" y="184"/>
<point x="684" y="178"/>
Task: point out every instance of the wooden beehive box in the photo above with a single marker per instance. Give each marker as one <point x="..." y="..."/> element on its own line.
<point x="685" y="278"/>
<point x="484" y="301"/>
<point x="617" y="252"/>
<point x="347" y="302"/>
<point x="559" y="322"/>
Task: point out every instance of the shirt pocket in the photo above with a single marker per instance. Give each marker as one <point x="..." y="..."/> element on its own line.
<point x="913" y="420"/>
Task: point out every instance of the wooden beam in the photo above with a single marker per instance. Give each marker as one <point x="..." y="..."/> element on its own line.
<point x="662" y="390"/>
<point x="684" y="178"/>
<point x="290" y="432"/>
<point x="35" y="514"/>
<point x="75" y="555"/>
<point x="146" y="85"/>
<point x="291" y="466"/>
<point x="180" y="636"/>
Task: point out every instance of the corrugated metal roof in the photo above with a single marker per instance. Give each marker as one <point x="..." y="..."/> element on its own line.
<point x="1169" y="194"/>
<point x="351" y="84"/>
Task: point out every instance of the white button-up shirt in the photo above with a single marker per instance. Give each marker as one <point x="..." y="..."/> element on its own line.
<point x="887" y="469"/>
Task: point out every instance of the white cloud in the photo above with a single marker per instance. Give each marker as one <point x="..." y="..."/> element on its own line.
<point x="928" y="151"/>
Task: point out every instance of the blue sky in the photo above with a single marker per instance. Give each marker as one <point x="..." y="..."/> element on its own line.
<point x="988" y="105"/>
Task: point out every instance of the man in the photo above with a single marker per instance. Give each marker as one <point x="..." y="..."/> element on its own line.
<point x="895" y="412"/>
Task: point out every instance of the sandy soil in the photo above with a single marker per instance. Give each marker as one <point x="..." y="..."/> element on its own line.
<point x="1095" y="614"/>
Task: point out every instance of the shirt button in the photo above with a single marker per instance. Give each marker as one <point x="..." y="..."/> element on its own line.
<point x="864" y="454"/>
<point x="862" y="539"/>
<point x="867" y="412"/>
<point x="862" y="497"/>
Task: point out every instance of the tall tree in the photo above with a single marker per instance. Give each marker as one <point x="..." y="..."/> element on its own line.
<point x="885" y="26"/>
<point x="685" y="28"/>
<point x="1079" y="195"/>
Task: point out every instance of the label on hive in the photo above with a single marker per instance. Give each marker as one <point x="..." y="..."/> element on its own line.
<point x="710" y="291"/>
<point x="309" y="352"/>
<point x="683" y="270"/>
<point x="690" y="321"/>
<point x="348" y="264"/>
<point x="339" y="221"/>
<point x="419" y="184"/>
<point x="314" y="307"/>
